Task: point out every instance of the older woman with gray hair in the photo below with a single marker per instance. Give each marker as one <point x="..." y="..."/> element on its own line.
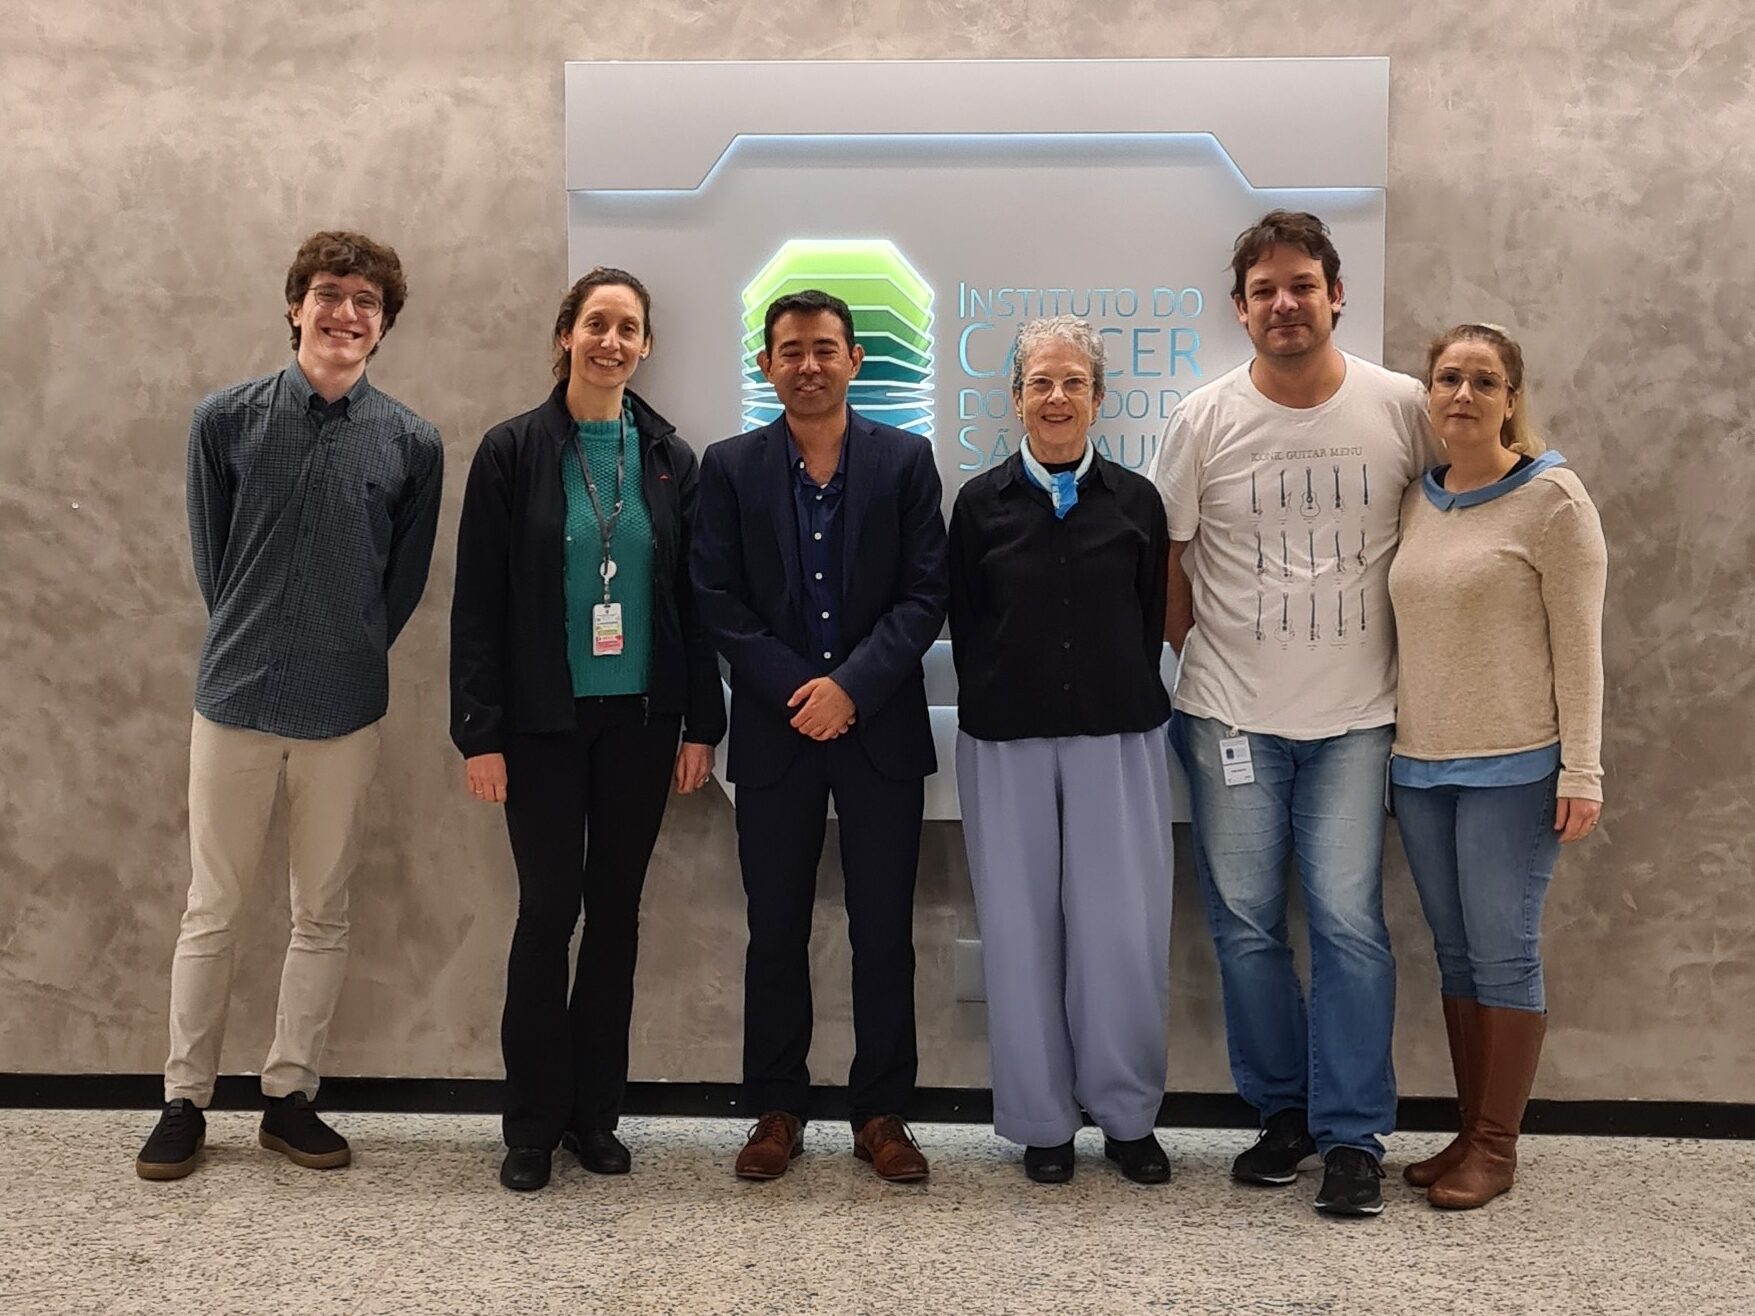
<point x="1057" y="622"/>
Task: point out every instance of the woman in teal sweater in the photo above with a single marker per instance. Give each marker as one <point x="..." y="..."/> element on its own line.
<point x="577" y="666"/>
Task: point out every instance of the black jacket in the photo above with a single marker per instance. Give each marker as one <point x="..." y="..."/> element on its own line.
<point x="894" y="588"/>
<point x="1057" y="625"/>
<point x="509" y="668"/>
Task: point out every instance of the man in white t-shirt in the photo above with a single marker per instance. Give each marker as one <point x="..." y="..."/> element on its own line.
<point x="1283" y="481"/>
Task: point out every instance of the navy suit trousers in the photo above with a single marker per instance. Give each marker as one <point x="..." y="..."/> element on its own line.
<point x="780" y="831"/>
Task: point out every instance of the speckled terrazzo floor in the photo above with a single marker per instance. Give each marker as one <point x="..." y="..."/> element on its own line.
<point x="420" y="1224"/>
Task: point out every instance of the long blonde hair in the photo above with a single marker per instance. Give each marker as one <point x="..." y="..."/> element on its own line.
<point x="1516" y="433"/>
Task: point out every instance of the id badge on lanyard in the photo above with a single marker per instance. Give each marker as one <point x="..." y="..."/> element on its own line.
<point x="607" y="638"/>
<point x="606" y="630"/>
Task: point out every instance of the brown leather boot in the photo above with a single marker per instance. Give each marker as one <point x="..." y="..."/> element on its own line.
<point x="1459" y="1028"/>
<point x="1510" y="1049"/>
<point x="777" y="1138"/>
<point x="885" y="1141"/>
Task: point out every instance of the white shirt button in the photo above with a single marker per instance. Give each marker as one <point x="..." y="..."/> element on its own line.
<point x="826" y="653"/>
<point x="825" y="616"/>
<point x="819" y="498"/>
<point x="817" y="535"/>
<point x="819" y="575"/>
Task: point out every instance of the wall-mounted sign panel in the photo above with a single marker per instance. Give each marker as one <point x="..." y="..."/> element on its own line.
<point x="949" y="201"/>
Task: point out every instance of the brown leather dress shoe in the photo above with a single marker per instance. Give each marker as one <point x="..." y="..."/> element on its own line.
<point x="776" y="1139"/>
<point x="885" y="1141"/>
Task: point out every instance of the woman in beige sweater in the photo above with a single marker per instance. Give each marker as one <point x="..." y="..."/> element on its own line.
<point x="1498" y="596"/>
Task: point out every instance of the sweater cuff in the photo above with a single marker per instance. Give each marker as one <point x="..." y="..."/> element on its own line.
<point x="1580" y="785"/>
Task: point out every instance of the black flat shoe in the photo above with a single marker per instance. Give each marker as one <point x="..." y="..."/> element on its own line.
<point x="525" y="1169"/>
<point x="1049" y="1164"/>
<point x="1139" y="1159"/>
<point x="599" y="1151"/>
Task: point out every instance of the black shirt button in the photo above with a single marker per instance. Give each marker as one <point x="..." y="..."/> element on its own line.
<point x="1063" y="559"/>
<point x="1066" y="644"/>
<point x="1066" y="685"/>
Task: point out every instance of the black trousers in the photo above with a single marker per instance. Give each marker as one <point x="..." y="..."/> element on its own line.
<point x="780" y="831"/>
<point x="606" y="780"/>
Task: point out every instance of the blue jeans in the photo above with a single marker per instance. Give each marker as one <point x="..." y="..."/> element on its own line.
<point x="1481" y="858"/>
<point x="1322" y="802"/>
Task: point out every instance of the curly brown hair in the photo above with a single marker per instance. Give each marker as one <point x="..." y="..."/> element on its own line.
<point x="600" y="276"/>
<point x="1292" y="228"/>
<point x="342" y="252"/>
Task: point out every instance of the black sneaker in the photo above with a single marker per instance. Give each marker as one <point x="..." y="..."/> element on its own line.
<point x="1349" y="1185"/>
<point x="175" y="1143"/>
<point x="1283" y="1148"/>
<point x="293" y="1129"/>
<point x="1140" y="1159"/>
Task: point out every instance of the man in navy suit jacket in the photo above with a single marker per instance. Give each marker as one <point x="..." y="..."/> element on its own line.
<point x="819" y="562"/>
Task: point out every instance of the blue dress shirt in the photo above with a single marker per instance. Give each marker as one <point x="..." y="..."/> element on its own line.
<point x="820" y="536"/>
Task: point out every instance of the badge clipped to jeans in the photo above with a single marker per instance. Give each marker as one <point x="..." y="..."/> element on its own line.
<point x="1234" y="758"/>
<point x="606" y="630"/>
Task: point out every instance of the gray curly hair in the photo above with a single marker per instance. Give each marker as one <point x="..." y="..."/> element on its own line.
<point x="1068" y="329"/>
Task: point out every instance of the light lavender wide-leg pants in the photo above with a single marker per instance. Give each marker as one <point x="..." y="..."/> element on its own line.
<point x="1070" y="856"/>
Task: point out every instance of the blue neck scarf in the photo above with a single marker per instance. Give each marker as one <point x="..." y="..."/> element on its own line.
<point x="1062" y="487"/>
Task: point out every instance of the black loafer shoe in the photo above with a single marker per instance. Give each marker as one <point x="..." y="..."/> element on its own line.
<point x="1049" y="1164"/>
<point x="1139" y="1159"/>
<point x="525" y="1169"/>
<point x="599" y="1151"/>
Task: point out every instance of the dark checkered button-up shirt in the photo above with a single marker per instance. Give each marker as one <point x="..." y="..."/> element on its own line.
<point x="312" y="526"/>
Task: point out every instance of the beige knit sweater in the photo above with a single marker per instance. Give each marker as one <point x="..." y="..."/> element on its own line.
<point x="1499" y="622"/>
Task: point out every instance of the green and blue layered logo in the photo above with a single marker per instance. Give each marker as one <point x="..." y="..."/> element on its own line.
<point x="892" y="321"/>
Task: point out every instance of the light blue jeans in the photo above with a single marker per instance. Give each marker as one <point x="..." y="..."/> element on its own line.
<point x="1481" y="858"/>
<point x="1320" y="802"/>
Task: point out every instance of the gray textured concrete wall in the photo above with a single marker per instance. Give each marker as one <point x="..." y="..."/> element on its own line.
<point x="1580" y="171"/>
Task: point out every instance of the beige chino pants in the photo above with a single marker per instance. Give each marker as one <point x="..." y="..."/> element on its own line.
<point x="235" y="777"/>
